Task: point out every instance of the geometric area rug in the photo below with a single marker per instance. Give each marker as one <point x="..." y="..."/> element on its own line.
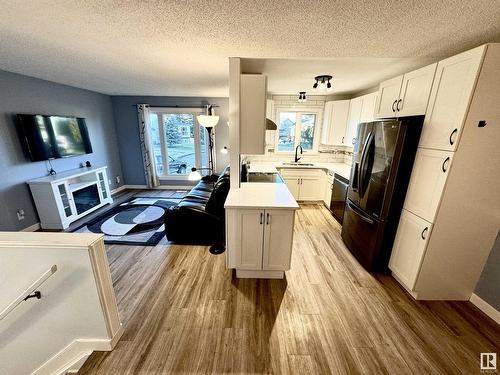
<point x="138" y="221"/>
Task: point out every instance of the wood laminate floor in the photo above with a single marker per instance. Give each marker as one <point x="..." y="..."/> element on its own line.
<point x="184" y="313"/>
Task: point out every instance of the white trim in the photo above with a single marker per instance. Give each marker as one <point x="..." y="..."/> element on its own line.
<point x="31" y="228"/>
<point x="485" y="307"/>
<point x="72" y="356"/>
<point x="161" y="187"/>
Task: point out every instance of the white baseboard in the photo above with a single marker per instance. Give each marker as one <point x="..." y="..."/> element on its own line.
<point x="118" y="189"/>
<point x="485" y="307"/>
<point x="32" y="228"/>
<point x="72" y="357"/>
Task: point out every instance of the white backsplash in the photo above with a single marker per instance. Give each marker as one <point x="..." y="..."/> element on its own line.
<point x="327" y="154"/>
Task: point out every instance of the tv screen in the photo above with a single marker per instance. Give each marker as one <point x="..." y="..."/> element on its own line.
<point x="52" y="137"/>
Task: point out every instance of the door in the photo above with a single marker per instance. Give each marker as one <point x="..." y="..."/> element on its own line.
<point x="362" y="235"/>
<point x="311" y="188"/>
<point x="278" y="236"/>
<point x="364" y="131"/>
<point x="387" y="98"/>
<point x="427" y="182"/>
<point x="292" y="183"/>
<point x="449" y="101"/>
<point x="249" y="239"/>
<point x="409" y="248"/>
<point x="327" y="118"/>
<point x="376" y="165"/>
<point x="338" y="122"/>
<point x="64" y="202"/>
<point x="368" y="107"/>
<point x="353" y="121"/>
<point x="415" y="91"/>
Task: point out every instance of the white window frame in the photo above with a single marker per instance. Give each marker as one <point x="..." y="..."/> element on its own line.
<point x="299" y="110"/>
<point x="160" y="111"/>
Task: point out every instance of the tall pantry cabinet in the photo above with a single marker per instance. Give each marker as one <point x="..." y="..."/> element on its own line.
<point x="451" y="214"/>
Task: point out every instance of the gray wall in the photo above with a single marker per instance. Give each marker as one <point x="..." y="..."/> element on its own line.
<point x="488" y="286"/>
<point x="21" y="94"/>
<point x="125" y="114"/>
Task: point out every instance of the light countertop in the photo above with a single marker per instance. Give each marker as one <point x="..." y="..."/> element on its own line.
<point x="342" y="169"/>
<point x="261" y="195"/>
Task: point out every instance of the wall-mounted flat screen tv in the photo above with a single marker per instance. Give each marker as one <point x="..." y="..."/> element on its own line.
<point x="53" y="137"/>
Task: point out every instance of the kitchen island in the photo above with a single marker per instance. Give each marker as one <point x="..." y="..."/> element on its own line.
<point x="259" y="229"/>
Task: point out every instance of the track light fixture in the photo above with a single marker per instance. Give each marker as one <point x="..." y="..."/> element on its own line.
<point x="302" y="97"/>
<point x="322" y="83"/>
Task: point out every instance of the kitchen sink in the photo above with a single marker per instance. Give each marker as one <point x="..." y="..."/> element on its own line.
<point x="299" y="164"/>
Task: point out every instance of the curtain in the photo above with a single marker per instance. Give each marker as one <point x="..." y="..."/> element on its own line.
<point x="147" y="146"/>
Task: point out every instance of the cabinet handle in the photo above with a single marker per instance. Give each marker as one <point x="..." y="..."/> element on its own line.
<point x="444" y="164"/>
<point x="353" y="140"/>
<point x="426" y="229"/>
<point x="451" y="136"/>
<point x="267" y="219"/>
<point x="343" y="139"/>
<point x="261" y="217"/>
<point x="393" y="104"/>
<point x="397" y="106"/>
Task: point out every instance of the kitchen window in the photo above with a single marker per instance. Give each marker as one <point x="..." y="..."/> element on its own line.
<point x="297" y="128"/>
<point x="179" y="142"/>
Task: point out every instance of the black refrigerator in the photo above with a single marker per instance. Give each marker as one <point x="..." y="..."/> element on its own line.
<point x="383" y="157"/>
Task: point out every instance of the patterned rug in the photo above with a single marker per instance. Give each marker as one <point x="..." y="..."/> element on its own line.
<point x="138" y="221"/>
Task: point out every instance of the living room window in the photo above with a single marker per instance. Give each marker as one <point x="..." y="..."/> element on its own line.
<point x="297" y="128"/>
<point x="179" y="142"/>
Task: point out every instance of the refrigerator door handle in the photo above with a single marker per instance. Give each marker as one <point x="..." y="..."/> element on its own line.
<point x="361" y="165"/>
<point x="358" y="212"/>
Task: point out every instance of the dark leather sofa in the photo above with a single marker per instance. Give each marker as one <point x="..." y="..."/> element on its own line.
<point x="199" y="217"/>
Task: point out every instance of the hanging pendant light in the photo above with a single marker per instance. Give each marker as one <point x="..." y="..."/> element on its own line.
<point x="322" y="83"/>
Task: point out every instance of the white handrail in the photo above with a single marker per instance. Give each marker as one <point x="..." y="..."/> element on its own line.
<point x="32" y="288"/>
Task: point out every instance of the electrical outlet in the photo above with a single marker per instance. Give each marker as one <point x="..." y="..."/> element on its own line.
<point x="109" y="182"/>
<point x="117" y="179"/>
<point x="20" y="215"/>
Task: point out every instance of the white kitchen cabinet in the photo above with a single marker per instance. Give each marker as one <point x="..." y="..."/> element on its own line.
<point x="405" y="95"/>
<point x="459" y="203"/>
<point x="428" y="178"/>
<point x="248" y="238"/>
<point x="335" y="122"/>
<point x="368" y="107"/>
<point x="304" y="184"/>
<point x="278" y="235"/>
<point x="261" y="240"/>
<point x="409" y="247"/>
<point x="449" y="100"/>
<point x="292" y="183"/>
<point x="353" y="121"/>
<point x="327" y="198"/>
<point x="253" y="91"/>
<point x="388" y="95"/>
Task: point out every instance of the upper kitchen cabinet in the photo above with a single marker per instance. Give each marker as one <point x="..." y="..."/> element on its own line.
<point x="406" y="95"/>
<point x="450" y="97"/>
<point x="353" y="120"/>
<point x="253" y="89"/>
<point x="335" y="122"/>
<point x="368" y="107"/>
<point x="388" y="95"/>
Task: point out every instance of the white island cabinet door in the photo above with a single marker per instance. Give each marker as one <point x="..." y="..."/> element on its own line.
<point x="278" y="237"/>
<point x="449" y="101"/>
<point x="409" y="248"/>
<point x="387" y="98"/>
<point x="245" y="237"/>
<point x="427" y="182"/>
<point x="415" y="91"/>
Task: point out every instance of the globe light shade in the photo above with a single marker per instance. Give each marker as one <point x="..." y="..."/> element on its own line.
<point x="208" y="121"/>
<point x="194" y="175"/>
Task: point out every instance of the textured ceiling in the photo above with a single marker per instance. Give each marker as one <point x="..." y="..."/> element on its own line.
<point x="181" y="47"/>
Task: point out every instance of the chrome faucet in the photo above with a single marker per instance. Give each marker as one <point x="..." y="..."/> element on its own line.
<point x="297" y="149"/>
